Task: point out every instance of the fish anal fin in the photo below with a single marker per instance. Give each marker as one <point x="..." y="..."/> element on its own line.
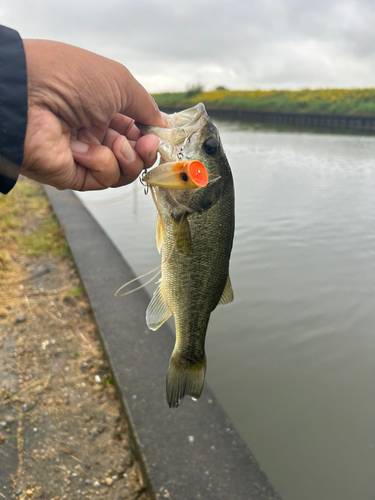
<point x="158" y="311"/>
<point x="182" y="235"/>
<point x="227" y="295"/>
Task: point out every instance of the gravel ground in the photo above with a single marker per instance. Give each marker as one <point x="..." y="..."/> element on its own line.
<point x="62" y="431"/>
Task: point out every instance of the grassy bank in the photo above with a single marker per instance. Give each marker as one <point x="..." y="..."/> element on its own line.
<point x="323" y="101"/>
<point x="28" y="225"/>
<point x="62" y="434"/>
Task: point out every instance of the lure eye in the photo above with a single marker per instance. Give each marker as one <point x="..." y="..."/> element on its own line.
<point x="184" y="177"/>
<point x="211" y="146"/>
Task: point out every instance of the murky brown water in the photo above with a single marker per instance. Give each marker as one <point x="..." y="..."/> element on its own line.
<point x="292" y="359"/>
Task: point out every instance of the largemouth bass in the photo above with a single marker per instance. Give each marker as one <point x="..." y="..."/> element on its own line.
<point x="195" y="229"/>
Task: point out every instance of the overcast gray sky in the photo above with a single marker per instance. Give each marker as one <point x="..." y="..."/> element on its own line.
<point x="241" y="44"/>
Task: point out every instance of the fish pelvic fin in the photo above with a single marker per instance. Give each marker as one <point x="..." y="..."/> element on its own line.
<point x="159" y="233"/>
<point x="184" y="380"/>
<point x="158" y="311"/>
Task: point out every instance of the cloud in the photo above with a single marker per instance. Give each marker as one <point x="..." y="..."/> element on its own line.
<point x="170" y="44"/>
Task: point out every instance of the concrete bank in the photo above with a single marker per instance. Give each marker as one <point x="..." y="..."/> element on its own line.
<point x="189" y="453"/>
<point x="303" y="120"/>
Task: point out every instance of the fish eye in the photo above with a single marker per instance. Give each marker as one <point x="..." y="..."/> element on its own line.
<point x="184" y="177"/>
<point x="211" y="146"/>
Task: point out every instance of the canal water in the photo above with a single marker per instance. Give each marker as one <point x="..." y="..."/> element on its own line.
<point x="292" y="358"/>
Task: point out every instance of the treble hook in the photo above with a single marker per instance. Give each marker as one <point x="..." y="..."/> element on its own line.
<point x="146" y="186"/>
<point x="187" y="139"/>
<point x="181" y="154"/>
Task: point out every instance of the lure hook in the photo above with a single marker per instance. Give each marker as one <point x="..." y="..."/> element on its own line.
<point x="181" y="153"/>
<point x="144" y="184"/>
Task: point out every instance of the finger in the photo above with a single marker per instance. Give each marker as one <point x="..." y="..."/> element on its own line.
<point x="97" y="167"/>
<point x="125" y="126"/>
<point x="146" y="147"/>
<point x="94" y="134"/>
<point x="122" y="146"/>
<point x="131" y="164"/>
<point x="110" y="137"/>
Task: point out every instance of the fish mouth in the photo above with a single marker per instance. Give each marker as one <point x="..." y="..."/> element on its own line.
<point x="182" y="127"/>
<point x="188" y="117"/>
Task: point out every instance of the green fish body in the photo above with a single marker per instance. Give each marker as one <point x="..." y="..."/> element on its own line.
<point x="195" y="232"/>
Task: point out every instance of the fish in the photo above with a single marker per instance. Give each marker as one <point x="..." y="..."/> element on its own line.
<point x="194" y="233"/>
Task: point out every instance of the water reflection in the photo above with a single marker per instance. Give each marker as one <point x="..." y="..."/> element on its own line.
<point x="292" y="359"/>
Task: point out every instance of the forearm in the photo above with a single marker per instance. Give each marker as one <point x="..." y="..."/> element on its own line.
<point x="13" y="107"/>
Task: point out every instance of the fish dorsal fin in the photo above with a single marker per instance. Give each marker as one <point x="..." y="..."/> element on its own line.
<point x="181" y="234"/>
<point x="227" y="295"/>
<point x="158" y="311"/>
<point x="159" y="233"/>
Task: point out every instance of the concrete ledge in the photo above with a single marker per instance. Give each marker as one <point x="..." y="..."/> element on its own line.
<point x="189" y="453"/>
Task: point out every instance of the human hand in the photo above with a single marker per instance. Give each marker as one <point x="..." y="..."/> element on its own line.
<point x="80" y="133"/>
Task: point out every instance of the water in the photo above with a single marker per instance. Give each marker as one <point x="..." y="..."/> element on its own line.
<point x="292" y="358"/>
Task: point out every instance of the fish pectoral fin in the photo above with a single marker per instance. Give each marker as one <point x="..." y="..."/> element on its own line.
<point x="182" y="235"/>
<point x="159" y="233"/>
<point x="227" y="295"/>
<point x="158" y="311"/>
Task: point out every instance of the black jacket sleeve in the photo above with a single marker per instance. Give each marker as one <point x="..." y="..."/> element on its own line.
<point x="13" y="107"/>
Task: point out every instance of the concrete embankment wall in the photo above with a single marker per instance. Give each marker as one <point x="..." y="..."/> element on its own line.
<point x="189" y="453"/>
<point x="319" y="121"/>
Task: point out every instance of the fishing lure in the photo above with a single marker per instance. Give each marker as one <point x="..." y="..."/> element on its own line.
<point x="181" y="174"/>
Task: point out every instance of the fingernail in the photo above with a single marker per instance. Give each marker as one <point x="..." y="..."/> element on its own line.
<point x="127" y="151"/>
<point x="79" y="147"/>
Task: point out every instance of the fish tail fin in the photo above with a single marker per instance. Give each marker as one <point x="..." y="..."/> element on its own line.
<point x="184" y="380"/>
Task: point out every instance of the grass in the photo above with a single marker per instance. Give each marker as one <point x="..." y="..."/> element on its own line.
<point x="41" y="237"/>
<point x="74" y="292"/>
<point x="321" y="101"/>
<point x="46" y="240"/>
<point x="27" y="228"/>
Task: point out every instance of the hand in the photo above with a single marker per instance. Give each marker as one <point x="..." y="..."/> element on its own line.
<point x="80" y="133"/>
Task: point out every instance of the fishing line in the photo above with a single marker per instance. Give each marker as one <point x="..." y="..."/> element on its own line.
<point x="149" y="272"/>
<point x="135" y="279"/>
<point x="114" y="199"/>
<point x="156" y="268"/>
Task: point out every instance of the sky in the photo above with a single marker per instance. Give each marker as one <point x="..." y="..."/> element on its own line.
<point x="171" y="45"/>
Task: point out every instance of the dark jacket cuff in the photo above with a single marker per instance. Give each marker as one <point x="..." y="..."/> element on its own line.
<point x="13" y="106"/>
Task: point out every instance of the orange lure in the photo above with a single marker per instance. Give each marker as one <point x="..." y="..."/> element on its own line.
<point x="178" y="175"/>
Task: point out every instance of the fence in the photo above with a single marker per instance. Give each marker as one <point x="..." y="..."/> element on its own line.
<point x="339" y="122"/>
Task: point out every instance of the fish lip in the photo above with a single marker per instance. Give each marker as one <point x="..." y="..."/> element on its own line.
<point x="188" y="117"/>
